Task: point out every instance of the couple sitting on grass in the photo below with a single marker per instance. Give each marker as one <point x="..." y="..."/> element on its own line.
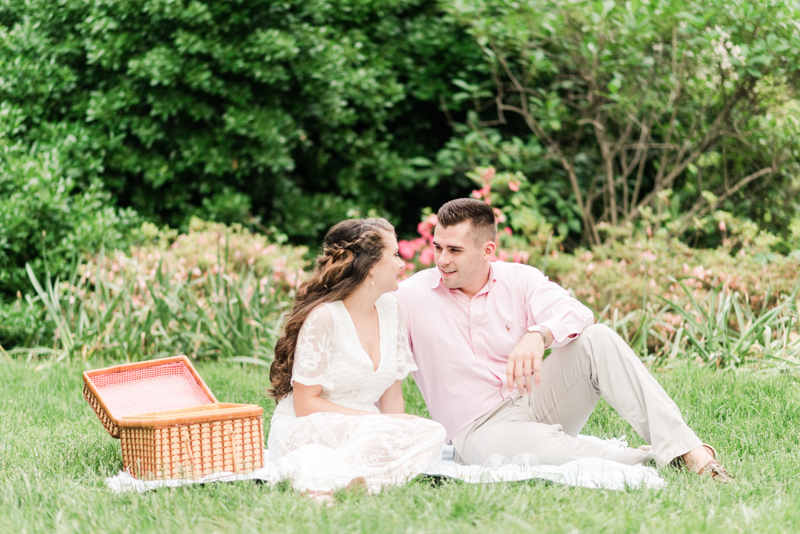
<point x="474" y="333"/>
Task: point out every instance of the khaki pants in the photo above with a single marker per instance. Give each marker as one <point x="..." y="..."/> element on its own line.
<point x="547" y="421"/>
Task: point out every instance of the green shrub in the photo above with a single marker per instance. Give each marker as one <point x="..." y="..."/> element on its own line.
<point x="23" y="323"/>
<point x="229" y="109"/>
<point x="621" y="109"/>
<point x="214" y="292"/>
<point x="625" y="274"/>
<point x="49" y="219"/>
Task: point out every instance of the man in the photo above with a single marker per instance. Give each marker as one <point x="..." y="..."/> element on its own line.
<point x="478" y="331"/>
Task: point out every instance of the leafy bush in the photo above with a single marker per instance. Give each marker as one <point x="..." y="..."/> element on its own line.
<point x="660" y="110"/>
<point x="724" y="330"/>
<point x="624" y="274"/>
<point x="229" y="109"/>
<point x="48" y="219"/>
<point x="209" y="248"/>
<point x="216" y="292"/>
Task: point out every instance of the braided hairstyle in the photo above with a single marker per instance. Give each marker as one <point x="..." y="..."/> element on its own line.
<point x="351" y="248"/>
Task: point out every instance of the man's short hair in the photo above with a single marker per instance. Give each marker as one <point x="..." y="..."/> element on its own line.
<point x="478" y="213"/>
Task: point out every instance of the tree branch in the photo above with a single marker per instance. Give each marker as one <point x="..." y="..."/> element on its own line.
<point x="696" y="211"/>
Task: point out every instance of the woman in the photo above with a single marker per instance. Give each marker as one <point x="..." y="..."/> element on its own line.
<point x="338" y="371"/>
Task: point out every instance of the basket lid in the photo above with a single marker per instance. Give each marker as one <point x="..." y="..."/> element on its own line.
<point x="147" y="387"/>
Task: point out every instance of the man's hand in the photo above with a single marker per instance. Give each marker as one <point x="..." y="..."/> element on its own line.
<point x="525" y="362"/>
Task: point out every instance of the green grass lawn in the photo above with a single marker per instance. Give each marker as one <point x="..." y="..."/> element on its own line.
<point x="54" y="456"/>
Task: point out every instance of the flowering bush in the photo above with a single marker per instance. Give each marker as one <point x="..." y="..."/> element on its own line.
<point x="498" y="191"/>
<point x="210" y="248"/>
<point x="214" y="292"/>
<point x="642" y="283"/>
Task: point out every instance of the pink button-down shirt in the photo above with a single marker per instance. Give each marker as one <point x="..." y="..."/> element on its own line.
<point x="461" y="345"/>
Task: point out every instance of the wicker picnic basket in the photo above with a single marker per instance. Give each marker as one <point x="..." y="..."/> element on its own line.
<point x="170" y="424"/>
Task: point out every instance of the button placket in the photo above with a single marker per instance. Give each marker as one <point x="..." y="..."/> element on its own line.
<point x="476" y="315"/>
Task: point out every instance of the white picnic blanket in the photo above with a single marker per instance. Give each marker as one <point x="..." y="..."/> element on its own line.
<point x="594" y="473"/>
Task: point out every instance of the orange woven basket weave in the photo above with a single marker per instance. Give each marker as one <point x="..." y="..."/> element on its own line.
<point x="170" y="424"/>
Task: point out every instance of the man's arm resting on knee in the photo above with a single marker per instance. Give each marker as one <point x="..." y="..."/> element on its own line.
<point x="561" y="318"/>
<point x="525" y="361"/>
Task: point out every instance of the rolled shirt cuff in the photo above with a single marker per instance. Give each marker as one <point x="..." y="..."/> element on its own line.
<point x="561" y="336"/>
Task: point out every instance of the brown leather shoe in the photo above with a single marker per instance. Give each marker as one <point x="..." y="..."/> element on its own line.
<point x="713" y="468"/>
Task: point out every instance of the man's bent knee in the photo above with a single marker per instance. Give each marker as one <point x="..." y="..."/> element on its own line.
<point x="596" y="331"/>
<point x="591" y="336"/>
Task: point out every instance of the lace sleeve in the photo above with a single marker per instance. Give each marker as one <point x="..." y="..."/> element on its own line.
<point x="314" y="348"/>
<point x="405" y="359"/>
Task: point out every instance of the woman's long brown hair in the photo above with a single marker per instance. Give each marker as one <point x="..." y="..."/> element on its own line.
<point x="350" y="250"/>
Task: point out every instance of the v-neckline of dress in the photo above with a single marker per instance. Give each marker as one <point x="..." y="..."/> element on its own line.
<point x="358" y="339"/>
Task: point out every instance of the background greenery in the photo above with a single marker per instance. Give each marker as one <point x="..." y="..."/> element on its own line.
<point x="235" y="108"/>
<point x="168" y="167"/>
<point x="637" y="133"/>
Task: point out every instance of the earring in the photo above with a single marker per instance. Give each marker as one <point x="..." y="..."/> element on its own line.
<point x="372" y="280"/>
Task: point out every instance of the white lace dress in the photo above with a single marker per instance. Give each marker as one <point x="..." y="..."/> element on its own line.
<point x="325" y="451"/>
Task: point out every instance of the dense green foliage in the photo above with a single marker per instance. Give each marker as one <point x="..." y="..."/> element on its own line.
<point x="230" y="108"/>
<point x="48" y="220"/>
<point x="55" y="455"/>
<point x="681" y="113"/>
<point x="601" y="116"/>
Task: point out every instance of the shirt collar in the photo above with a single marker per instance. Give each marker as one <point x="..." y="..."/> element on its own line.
<point x="437" y="281"/>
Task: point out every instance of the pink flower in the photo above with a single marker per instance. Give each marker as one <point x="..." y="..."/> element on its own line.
<point x="488" y="174"/>
<point x="722" y="226"/>
<point x="502" y="255"/>
<point x="507" y="230"/>
<point x="422" y="242"/>
<point x="514" y="186"/>
<point x="426" y="258"/>
<point x="424" y="228"/>
<point x="477" y="194"/>
<point x="649" y="232"/>
<point x="499" y="215"/>
<point x="699" y="272"/>
<point x="433" y="219"/>
<point x="407" y="249"/>
<point x="410" y="267"/>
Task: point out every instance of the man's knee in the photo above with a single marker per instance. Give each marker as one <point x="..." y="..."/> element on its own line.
<point x="595" y="332"/>
<point x="592" y="336"/>
<point x="598" y="340"/>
